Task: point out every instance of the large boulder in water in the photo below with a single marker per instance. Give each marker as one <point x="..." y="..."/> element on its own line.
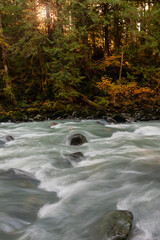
<point x="77" y="139"/>
<point x="117" y="225"/>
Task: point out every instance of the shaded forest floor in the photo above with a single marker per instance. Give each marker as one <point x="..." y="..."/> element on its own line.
<point x="84" y="109"/>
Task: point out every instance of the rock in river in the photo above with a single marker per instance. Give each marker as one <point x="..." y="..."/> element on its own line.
<point x="77" y="139"/>
<point x="21" y="200"/>
<point x="20" y="177"/>
<point x="5" y="139"/>
<point x="74" y="158"/>
<point x="117" y="225"/>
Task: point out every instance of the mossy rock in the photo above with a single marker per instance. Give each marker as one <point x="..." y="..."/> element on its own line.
<point x="116" y="225"/>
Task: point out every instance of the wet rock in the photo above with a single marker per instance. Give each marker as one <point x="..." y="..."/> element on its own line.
<point x="117" y="225"/>
<point x="119" y="118"/>
<point x="77" y="156"/>
<point x="90" y="117"/>
<point x="5" y="139"/>
<point x="29" y="202"/>
<point x="128" y="117"/>
<point x="74" y="114"/>
<point x="100" y="123"/>
<point x="54" y="124"/>
<point x="38" y="117"/>
<point x="77" y="139"/>
<point x="20" y="177"/>
<point x="111" y="120"/>
<point x="17" y="173"/>
<point x="9" y="138"/>
<point x="148" y="117"/>
<point x="59" y="118"/>
<point x="23" y="201"/>
<point x="73" y="158"/>
<point x="30" y="120"/>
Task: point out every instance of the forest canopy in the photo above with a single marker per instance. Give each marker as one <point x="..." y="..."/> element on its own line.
<point x="69" y="55"/>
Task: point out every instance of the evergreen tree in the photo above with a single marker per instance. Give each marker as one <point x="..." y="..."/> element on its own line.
<point x="61" y="55"/>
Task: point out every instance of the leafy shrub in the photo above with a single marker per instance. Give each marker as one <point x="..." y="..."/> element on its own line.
<point x="125" y="94"/>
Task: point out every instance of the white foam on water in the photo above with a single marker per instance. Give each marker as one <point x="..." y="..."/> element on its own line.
<point x="131" y="172"/>
<point x="34" y="233"/>
<point x="134" y="199"/>
<point x="63" y="186"/>
<point x="147" y="229"/>
<point x="148" y="131"/>
<point x="123" y="135"/>
<point x="10" y="224"/>
<point x="91" y="162"/>
<point x="28" y="163"/>
<point x="50" y="210"/>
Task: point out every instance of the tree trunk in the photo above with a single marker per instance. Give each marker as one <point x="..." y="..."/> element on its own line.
<point x="106" y="36"/>
<point x="48" y="20"/>
<point x="116" y="34"/>
<point x="121" y="66"/>
<point x="4" y="57"/>
<point x="105" y="9"/>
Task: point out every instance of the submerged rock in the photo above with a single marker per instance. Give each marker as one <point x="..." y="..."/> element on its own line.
<point x="22" y="199"/>
<point x="74" y="158"/>
<point x="77" y="139"/>
<point x="9" y="138"/>
<point x="22" y="178"/>
<point x="117" y="225"/>
<point x="111" y="120"/>
<point x="5" y="139"/>
<point x="17" y="173"/>
<point x="54" y="124"/>
<point x="14" y="172"/>
<point x="100" y="123"/>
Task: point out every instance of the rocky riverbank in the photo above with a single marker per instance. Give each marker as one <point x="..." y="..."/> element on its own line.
<point x="110" y="117"/>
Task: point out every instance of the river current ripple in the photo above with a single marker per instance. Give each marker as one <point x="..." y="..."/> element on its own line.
<point x="121" y="170"/>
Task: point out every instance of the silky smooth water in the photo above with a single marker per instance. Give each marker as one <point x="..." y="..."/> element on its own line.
<point x="121" y="170"/>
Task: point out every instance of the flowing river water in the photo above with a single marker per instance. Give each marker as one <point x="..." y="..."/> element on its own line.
<point x="120" y="170"/>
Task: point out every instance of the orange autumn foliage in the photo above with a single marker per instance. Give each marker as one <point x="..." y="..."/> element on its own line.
<point x="128" y="93"/>
<point x="114" y="60"/>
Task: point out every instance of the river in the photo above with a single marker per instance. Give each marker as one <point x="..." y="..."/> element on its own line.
<point x="120" y="170"/>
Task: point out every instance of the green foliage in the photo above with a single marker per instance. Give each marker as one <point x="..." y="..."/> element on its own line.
<point x="9" y="96"/>
<point x="57" y="61"/>
<point x="102" y="101"/>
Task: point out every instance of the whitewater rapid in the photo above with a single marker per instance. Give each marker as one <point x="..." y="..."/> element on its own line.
<point x="120" y="170"/>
